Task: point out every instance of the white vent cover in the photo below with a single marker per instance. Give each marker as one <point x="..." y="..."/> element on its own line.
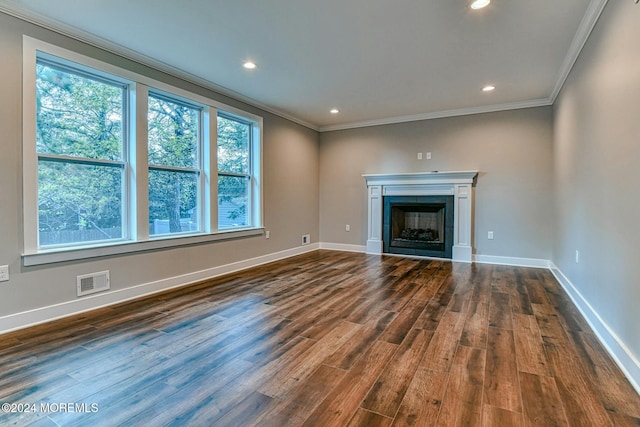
<point x="92" y="283"/>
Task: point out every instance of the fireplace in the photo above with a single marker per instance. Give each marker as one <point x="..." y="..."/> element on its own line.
<point x="418" y="225"/>
<point x="458" y="185"/>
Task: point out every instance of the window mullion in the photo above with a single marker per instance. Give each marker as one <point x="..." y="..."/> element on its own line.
<point x="139" y="178"/>
<point x="255" y="156"/>
<point x="210" y="165"/>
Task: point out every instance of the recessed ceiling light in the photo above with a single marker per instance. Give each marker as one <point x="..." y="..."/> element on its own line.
<point x="334" y="111"/>
<point x="479" y="4"/>
<point x="249" y="65"/>
<point x="488" y="88"/>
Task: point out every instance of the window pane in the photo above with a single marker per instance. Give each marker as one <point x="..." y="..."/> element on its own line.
<point x="233" y="200"/>
<point x="233" y="145"/>
<point x="78" y="203"/>
<point x="173" y="206"/>
<point x="78" y="116"/>
<point x="173" y="133"/>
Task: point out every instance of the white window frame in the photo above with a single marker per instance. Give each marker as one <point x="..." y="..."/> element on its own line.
<point x="136" y="164"/>
<point x="199" y="170"/>
<point x="251" y="175"/>
<point x="124" y="162"/>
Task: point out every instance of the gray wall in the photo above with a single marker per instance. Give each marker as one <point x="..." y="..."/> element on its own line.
<point x="511" y="149"/>
<point x="597" y="170"/>
<point x="290" y="198"/>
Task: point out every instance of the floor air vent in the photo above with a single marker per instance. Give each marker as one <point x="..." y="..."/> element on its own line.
<point x="92" y="283"/>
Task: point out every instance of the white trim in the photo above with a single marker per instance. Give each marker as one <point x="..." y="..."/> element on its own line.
<point x="108" y="249"/>
<point x="514" y="261"/>
<point x="210" y="166"/>
<point x="430" y="180"/>
<point x="617" y="349"/>
<point x="46" y="314"/>
<point x="138" y="166"/>
<point x="591" y="16"/>
<point x="343" y="247"/>
<point x="481" y="259"/>
<point x="29" y="154"/>
<point x="542" y="102"/>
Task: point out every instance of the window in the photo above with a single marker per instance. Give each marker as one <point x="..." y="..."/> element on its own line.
<point x="234" y="172"/>
<point x="117" y="162"/>
<point x="174" y="166"/>
<point x="80" y="130"/>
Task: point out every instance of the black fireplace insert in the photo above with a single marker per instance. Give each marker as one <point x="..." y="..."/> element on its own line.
<point x="418" y="225"/>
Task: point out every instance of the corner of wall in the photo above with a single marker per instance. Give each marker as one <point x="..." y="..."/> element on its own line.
<point x="624" y="358"/>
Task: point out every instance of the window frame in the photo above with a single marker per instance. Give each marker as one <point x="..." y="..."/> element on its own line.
<point x="135" y="156"/>
<point x="198" y="170"/>
<point x="64" y="65"/>
<point x="251" y="173"/>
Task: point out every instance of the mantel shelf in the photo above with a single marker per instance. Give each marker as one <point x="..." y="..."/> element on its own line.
<point x="417" y="178"/>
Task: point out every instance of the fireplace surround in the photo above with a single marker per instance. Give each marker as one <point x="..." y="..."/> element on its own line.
<point x="458" y="185"/>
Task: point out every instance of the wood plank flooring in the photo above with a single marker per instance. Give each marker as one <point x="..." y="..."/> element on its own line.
<point x="324" y="339"/>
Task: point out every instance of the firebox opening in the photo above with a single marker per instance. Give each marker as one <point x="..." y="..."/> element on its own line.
<point x="418" y="225"/>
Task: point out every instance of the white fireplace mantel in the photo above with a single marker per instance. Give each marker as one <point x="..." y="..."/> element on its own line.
<point x="457" y="184"/>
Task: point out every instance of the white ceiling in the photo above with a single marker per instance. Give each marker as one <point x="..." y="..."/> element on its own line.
<point x="377" y="61"/>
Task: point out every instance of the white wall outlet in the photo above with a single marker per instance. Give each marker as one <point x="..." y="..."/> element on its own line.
<point x="306" y="239"/>
<point x="267" y="234"/>
<point x="419" y="156"/>
<point x="347" y="227"/>
<point x="429" y="155"/>
<point x="4" y="273"/>
<point x="490" y="235"/>
<point x="577" y="256"/>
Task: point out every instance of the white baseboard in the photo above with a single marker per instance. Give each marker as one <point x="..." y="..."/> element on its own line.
<point x="505" y="260"/>
<point x="483" y="259"/>
<point x="343" y="247"/>
<point x="625" y="359"/>
<point x="25" y="319"/>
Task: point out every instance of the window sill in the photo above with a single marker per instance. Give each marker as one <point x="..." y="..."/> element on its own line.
<point x="63" y="255"/>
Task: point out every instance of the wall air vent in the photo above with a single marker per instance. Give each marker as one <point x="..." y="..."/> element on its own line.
<point x="92" y="283"/>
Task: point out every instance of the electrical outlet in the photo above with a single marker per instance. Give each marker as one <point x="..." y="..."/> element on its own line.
<point x="347" y="227"/>
<point x="429" y="155"/>
<point x="4" y="273"/>
<point x="490" y="235"/>
<point x="306" y="239"/>
<point x="267" y="234"/>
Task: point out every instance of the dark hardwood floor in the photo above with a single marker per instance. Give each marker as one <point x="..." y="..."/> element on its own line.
<point x="325" y="339"/>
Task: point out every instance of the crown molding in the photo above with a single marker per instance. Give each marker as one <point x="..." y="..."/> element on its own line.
<point x="130" y="54"/>
<point x="543" y="102"/>
<point x="594" y="10"/>
<point x="591" y="16"/>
